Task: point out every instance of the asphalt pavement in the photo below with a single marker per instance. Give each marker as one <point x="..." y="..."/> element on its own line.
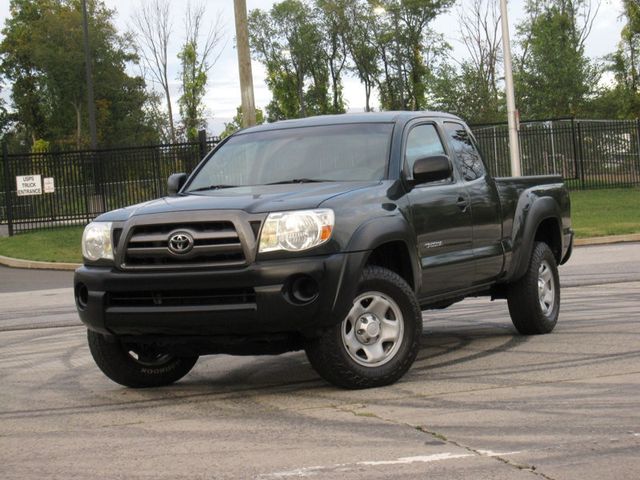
<point x="24" y="280"/>
<point x="481" y="402"/>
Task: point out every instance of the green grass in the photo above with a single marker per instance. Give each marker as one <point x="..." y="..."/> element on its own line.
<point x="59" y="245"/>
<point x="595" y="213"/>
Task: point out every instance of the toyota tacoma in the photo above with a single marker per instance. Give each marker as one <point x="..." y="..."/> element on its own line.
<point x="330" y="234"/>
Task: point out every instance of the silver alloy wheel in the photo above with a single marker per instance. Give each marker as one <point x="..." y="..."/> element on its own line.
<point x="373" y="330"/>
<point x="546" y="288"/>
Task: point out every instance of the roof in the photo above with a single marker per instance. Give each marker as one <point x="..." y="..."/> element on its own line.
<point x="346" y="118"/>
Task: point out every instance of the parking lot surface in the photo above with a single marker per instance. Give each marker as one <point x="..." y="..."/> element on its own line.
<point x="480" y="401"/>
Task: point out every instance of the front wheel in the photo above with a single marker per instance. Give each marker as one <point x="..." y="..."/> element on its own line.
<point x="377" y="341"/>
<point x="137" y="365"/>
<point x="534" y="300"/>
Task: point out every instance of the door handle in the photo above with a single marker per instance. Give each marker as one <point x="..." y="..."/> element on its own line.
<point x="462" y="203"/>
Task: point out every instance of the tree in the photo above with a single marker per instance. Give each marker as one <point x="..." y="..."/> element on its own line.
<point x="553" y="30"/>
<point x="409" y="50"/>
<point x="154" y="29"/>
<point x="622" y="99"/>
<point x="197" y="57"/>
<point x="290" y="41"/>
<point x="236" y="123"/>
<point x="332" y="26"/>
<point x="356" y="20"/>
<point x="480" y="33"/>
<point x="18" y="66"/>
<point x="42" y="59"/>
<point x="5" y="118"/>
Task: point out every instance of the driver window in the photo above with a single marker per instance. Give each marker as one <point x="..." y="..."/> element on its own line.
<point x="422" y="141"/>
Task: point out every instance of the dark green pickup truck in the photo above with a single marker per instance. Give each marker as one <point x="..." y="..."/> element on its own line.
<point x="330" y="234"/>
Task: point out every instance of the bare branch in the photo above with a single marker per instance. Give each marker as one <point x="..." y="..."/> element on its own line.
<point x="153" y="29"/>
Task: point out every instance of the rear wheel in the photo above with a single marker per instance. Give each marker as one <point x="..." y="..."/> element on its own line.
<point x="137" y="365"/>
<point x="534" y="300"/>
<point x="379" y="338"/>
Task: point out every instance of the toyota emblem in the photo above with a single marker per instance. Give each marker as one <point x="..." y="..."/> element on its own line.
<point x="180" y="243"/>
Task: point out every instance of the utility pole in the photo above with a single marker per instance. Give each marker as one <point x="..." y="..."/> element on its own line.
<point x="514" y="147"/>
<point x="244" y="64"/>
<point x="91" y="106"/>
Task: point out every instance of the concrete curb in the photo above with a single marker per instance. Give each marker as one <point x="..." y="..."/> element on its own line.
<point x="32" y="264"/>
<point x="632" y="237"/>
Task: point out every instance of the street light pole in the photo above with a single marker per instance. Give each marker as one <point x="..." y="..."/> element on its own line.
<point x="244" y="64"/>
<point x="514" y="147"/>
<point x="91" y="106"/>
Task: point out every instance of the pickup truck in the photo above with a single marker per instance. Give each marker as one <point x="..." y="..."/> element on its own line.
<point x="330" y="234"/>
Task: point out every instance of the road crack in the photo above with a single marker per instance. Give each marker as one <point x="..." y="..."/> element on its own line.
<point x="354" y="410"/>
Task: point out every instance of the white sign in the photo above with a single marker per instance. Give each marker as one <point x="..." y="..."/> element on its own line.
<point x="49" y="185"/>
<point x="29" y="185"/>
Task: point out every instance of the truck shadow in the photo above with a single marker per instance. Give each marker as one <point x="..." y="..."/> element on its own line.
<point x="446" y="347"/>
<point x="441" y="347"/>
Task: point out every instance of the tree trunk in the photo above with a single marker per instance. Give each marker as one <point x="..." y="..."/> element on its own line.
<point x="172" y="130"/>
<point x="78" y="109"/>
<point x="632" y="55"/>
<point x="367" y="96"/>
<point x="301" y="93"/>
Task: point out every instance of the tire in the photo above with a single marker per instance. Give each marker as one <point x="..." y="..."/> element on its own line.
<point x="150" y="369"/>
<point x="378" y="340"/>
<point x="534" y="300"/>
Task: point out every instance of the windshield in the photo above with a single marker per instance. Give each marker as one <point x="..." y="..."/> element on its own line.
<point x="349" y="152"/>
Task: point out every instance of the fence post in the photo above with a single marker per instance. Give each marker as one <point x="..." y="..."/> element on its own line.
<point x="575" y="148"/>
<point x="158" y="172"/>
<point x="581" y="155"/>
<point x="202" y="141"/>
<point x="638" y="147"/>
<point x="83" y="178"/>
<point x="7" y="188"/>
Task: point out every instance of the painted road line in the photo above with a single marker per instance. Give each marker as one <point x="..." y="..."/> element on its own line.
<point x="437" y="457"/>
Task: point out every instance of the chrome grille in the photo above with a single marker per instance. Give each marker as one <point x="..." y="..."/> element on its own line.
<point x="215" y="244"/>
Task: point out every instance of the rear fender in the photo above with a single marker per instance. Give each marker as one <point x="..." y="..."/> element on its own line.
<point x="531" y="211"/>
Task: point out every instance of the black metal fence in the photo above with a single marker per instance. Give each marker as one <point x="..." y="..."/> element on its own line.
<point x="88" y="183"/>
<point x="587" y="153"/>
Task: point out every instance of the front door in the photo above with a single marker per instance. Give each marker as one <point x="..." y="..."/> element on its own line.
<point x="441" y="217"/>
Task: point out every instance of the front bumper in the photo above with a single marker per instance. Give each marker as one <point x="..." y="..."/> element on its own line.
<point x="268" y="309"/>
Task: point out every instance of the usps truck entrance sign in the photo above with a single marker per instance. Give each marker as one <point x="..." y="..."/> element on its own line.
<point x="28" y="185"/>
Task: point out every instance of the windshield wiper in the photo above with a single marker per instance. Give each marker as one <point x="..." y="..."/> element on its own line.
<point x="300" y="180"/>
<point x="210" y="187"/>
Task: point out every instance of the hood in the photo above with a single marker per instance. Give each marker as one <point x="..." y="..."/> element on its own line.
<point x="251" y="199"/>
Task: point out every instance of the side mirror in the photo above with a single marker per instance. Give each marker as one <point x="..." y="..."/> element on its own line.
<point x="430" y="169"/>
<point x="175" y="182"/>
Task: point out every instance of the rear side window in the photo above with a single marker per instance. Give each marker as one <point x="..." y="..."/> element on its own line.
<point x="466" y="154"/>
<point x="422" y="141"/>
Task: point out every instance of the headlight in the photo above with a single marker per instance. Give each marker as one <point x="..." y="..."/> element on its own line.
<point x="296" y="231"/>
<point x="96" y="241"/>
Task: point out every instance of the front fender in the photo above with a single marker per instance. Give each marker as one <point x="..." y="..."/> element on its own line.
<point x="393" y="228"/>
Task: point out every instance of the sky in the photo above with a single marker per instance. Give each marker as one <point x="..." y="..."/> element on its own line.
<point x="223" y="94"/>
